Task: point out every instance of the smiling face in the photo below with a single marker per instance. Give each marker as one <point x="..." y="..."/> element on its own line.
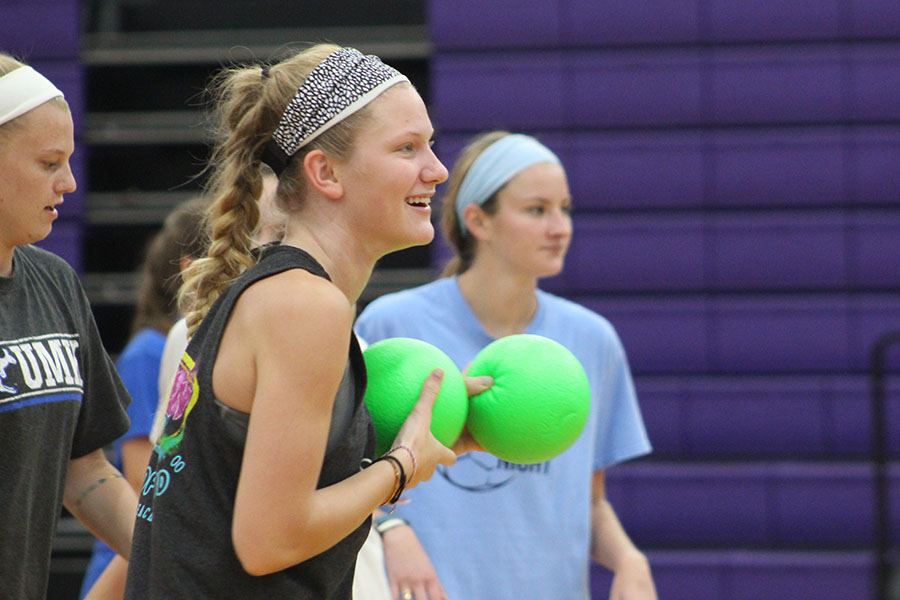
<point x="531" y="230"/>
<point x="34" y="175"/>
<point x="391" y="174"/>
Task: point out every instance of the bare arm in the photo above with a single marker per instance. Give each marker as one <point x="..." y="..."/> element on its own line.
<point x="98" y="496"/>
<point x="406" y="561"/>
<point x="135" y="457"/>
<point x="612" y="548"/>
<point x="297" y="355"/>
<point x="111" y="583"/>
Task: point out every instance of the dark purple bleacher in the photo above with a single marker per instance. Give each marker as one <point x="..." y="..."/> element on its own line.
<point x="752" y="574"/>
<point x="733" y="171"/>
<point x="780" y="504"/>
<point x="764" y="416"/>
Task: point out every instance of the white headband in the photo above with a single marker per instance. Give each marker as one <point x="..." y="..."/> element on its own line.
<point x="22" y="90"/>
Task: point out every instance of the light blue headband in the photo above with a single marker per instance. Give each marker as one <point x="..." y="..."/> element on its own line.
<point x="496" y="166"/>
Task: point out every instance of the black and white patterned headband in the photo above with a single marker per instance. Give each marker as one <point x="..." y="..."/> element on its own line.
<point x="339" y="86"/>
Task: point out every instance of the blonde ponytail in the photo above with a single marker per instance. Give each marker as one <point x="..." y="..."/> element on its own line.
<point x="249" y="102"/>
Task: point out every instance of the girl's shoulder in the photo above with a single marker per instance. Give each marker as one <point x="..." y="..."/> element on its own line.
<point x="564" y="311"/>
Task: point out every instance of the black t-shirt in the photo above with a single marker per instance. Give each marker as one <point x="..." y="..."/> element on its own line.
<point x="182" y="543"/>
<point x="60" y="398"/>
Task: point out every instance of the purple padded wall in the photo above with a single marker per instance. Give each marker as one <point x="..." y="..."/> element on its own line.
<point x="750" y="334"/>
<point x="733" y="169"/>
<point x="821" y="166"/>
<point x="773" y="504"/>
<point x="751" y="575"/>
<point x="40" y="28"/>
<point x="497" y="91"/>
<point x="623" y="22"/>
<point x="470" y="24"/>
<point x="764" y="416"/>
<point x="473" y="23"/>
<point x="632" y="88"/>
<point x="724" y="86"/>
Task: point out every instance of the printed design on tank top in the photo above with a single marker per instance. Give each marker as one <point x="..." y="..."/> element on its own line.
<point x="182" y="399"/>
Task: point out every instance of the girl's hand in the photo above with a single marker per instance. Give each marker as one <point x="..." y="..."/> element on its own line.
<point x="415" y="434"/>
<point x="474" y="386"/>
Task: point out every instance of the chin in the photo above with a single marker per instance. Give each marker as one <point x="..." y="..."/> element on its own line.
<point x="423" y="235"/>
<point x="551" y="271"/>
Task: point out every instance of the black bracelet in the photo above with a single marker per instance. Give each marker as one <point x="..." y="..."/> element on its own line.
<point x="402" y="476"/>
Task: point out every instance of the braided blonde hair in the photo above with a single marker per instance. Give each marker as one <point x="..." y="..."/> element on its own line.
<point x="248" y="105"/>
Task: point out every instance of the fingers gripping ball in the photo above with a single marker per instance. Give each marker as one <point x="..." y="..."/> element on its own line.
<point x="538" y="404"/>
<point x="396" y="369"/>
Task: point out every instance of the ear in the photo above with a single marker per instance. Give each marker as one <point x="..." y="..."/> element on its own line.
<point x="184" y="262"/>
<point x="477" y="221"/>
<point x="320" y="172"/>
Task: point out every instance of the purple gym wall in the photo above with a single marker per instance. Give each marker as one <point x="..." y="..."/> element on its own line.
<point x="733" y="170"/>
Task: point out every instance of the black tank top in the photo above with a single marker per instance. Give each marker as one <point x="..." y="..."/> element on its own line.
<point x="182" y="540"/>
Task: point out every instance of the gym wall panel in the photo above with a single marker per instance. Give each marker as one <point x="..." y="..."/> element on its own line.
<point x="497" y="91"/>
<point x="40" y="29"/>
<point x="630" y="89"/>
<point x="873" y="156"/>
<point x="873" y="84"/>
<point x="749" y="333"/>
<point x="660" y="335"/>
<point x="739" y="20"/>
<point x="735" y="251"/>
<point x="764" y="416"/>
<point x="627" y="22"/>
<point x="455" y="24"/>
<point x="777" y="167"/>
<point x="873" y="18"/>
<point x="633" y="253"/>
<point x="775" y="85"/>
<point x="636" y="170"/>
<point x="776" y="504"/>
<point x="874" y="248"/>
<point x="653" y="87"/>
<point x="777" y="251"/>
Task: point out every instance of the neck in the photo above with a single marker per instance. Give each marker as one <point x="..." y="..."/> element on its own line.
<point x="503" y="303"/>
<point x="349" y="270"/>
<point x="6" y="260"/>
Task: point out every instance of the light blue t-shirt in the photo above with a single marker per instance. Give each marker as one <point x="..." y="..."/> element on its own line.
<point x="496" y="530"/>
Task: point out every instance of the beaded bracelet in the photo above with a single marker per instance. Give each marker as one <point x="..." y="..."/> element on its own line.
<point x="411" y="455"/>
<point x="400" y="474"/>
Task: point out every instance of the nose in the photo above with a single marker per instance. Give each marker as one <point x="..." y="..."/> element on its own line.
<point x="66" y="183"/>
<point x="434" y="172"/>
<point x="560" y="223"/>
